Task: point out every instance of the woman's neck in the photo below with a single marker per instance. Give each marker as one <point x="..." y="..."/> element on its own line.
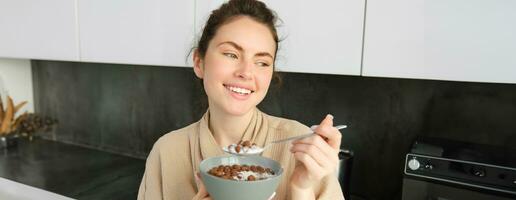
<point x="228" y="129"/>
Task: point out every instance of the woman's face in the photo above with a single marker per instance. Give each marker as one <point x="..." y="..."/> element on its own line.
<point x="238" y="65"/>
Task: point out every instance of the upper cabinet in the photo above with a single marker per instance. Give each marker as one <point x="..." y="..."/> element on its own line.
<point x="426" y="39"/>
<point x="38" y="29"/>
<point x="150" y="32"/>
<point x="322" y="37"/>
<point x="441" y="39"/>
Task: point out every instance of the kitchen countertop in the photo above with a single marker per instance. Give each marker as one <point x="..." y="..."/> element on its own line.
<point x="16" y="191"/>
<point x="72" y="171"/>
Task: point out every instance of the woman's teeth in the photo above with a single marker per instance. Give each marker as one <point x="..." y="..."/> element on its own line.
<point x="239" y="90"/>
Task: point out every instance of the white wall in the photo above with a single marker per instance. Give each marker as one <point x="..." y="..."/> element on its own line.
<point x="16" y="81"/>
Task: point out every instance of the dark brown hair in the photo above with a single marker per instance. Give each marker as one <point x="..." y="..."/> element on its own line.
<point x="227" y="12"/>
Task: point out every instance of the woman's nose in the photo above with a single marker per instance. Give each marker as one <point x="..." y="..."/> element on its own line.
<point x="245" y="70"/>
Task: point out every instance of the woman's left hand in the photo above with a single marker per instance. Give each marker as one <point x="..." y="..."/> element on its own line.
<point x="318" y="155"/>
<point x="202" y="194"/>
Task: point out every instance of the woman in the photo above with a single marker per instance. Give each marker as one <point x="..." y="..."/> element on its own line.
<point x="235" y="60"/>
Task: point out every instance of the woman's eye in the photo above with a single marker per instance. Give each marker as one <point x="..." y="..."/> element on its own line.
<point x="263" y="64"/>
<point x="231" y="55"/>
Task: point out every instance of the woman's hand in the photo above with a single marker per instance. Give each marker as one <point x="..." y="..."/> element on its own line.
<point x="202" y="194"/>
<point x="318" y="155"/>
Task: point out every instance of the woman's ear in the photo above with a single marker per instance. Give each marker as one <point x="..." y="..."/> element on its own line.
<point x="198" y="64"/>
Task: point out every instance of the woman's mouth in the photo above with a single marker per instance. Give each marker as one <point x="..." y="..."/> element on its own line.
<point x="238" y="90"/>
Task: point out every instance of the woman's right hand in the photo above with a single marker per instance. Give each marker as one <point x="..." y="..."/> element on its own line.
<point x="202" y="194"/>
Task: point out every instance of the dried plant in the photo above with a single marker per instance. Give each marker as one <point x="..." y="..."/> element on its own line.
<point x="24" y="125"/>
<point x="8" y="123"/>
<point x="32" y="123"/>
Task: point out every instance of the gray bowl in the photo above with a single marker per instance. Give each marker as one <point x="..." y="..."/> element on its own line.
<point x="222" y="189"/>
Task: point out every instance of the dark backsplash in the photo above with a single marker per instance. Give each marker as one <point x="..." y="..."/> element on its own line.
<point x="126" y="108"/>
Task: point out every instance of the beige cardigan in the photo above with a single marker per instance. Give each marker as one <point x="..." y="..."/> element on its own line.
<point x="170" y="167"/>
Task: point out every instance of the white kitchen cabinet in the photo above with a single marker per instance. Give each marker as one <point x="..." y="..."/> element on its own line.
<point x="150" y="32"/>
<point x="462" y="40"/>
<point x="38" y="29"/>
<point x="322" y="37"/>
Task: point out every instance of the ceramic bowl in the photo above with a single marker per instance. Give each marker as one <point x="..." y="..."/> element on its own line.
<point x="223" y="189"/>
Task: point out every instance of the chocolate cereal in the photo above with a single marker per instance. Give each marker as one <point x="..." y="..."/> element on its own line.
<point x="243" y="147"/>
<point x="241" y="172"/>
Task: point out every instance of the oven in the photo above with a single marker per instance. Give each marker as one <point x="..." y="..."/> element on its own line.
<point x="438" y="169"/>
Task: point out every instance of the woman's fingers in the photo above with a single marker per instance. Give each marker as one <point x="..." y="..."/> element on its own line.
<point x="319" y="142"/>
<point x="200" y="184"/>
<point x="313" y="151"/>
<point x="319" y="153"/>
<point x="317" y="147"/>
<point x="310" y="164"/>
<point x="201" y="189"/>
<point x="330" y="133"/>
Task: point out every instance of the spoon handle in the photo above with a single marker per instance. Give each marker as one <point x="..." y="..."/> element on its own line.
<point x="303" y="136"/>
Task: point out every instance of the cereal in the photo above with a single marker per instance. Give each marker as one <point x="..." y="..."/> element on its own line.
<point x="243" y="147"/>
<point x="241" y="172"/>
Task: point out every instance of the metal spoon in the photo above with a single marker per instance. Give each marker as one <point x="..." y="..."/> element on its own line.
<point x="260" y="150"/>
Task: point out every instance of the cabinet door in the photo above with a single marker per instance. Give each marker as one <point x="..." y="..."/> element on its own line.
<point x="151" y="32"/>
<point x="319" y="36"/>
<point x="38" y="29"/>
<point x="463" y="40"/>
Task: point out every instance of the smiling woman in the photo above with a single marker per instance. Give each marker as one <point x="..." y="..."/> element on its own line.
<point x="237" y="67"/>
<point x="235" y="60"/>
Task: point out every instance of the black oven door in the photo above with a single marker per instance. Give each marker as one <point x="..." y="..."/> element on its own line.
<point x="415" y="189"/>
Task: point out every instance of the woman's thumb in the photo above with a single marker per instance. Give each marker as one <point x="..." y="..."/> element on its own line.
<point x="200" y="185"/>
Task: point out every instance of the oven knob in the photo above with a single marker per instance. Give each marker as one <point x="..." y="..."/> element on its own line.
<point x="479" y="172"/>
<point x="429" y="166"/>
<point x="414" y="164"/>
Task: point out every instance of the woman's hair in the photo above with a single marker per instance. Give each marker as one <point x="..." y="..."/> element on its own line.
<point x="229" y="11"/>
<point x="256" y="10"/>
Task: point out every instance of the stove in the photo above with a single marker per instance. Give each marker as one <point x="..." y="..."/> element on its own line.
<point x="439" y="169"/>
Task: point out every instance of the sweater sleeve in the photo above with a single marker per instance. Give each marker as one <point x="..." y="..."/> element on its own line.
<point x="151" y="185"/>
